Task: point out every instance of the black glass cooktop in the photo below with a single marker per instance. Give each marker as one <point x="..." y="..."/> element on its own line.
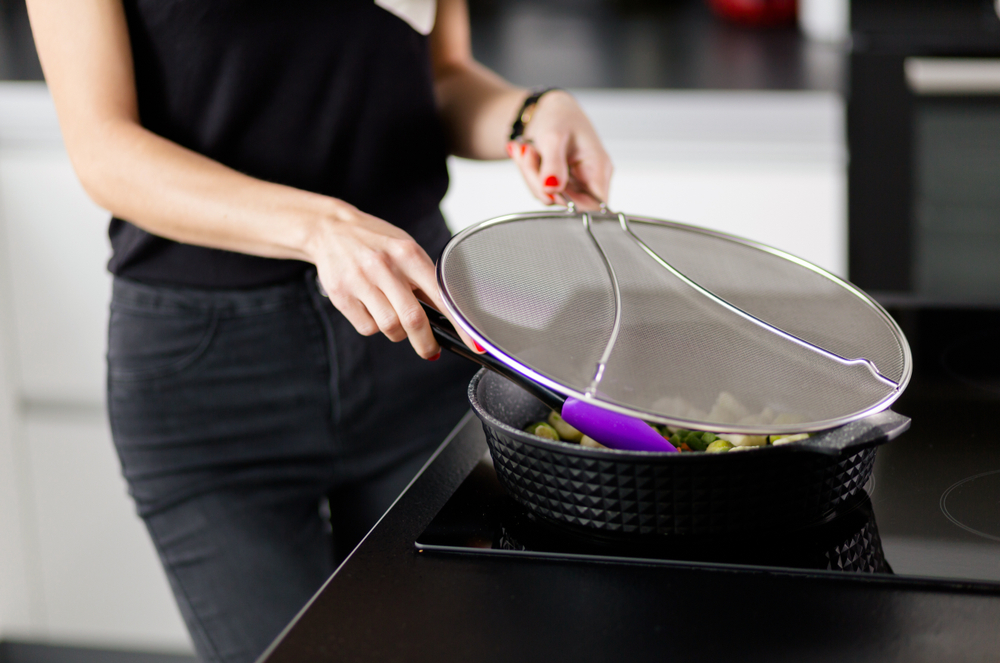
<point x="930" y="512"/>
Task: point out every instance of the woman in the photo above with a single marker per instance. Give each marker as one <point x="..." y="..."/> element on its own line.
<point x="248" y="149"/>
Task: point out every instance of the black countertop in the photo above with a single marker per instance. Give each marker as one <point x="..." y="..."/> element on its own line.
<point x="389" y="602"/>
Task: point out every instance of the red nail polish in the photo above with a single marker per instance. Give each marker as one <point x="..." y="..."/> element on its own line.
<point x="510" y="149"/>
<point x="551" y="180"/>
<point x="523" y="148"/>
<point x="552" y="198"/>
<point x="435" y="357"/>
<point x="479" y="348"/>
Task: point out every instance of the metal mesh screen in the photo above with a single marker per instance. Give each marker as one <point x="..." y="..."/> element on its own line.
<point x="542" y="291"/>
<point x="786" y="294"/>
<point x="537" y="289"/>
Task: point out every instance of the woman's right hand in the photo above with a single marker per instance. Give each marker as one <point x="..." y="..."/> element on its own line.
<point x="375" y="274"/>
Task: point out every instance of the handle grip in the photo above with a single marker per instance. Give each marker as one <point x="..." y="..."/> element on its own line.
<point x="868" y="432"/>
<point x="447" y="337"/>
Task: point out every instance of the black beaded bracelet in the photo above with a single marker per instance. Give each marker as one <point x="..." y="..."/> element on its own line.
<point x="527" y="110"/>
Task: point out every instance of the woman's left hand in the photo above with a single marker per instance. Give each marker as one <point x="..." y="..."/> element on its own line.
<point x="560" y="156"/>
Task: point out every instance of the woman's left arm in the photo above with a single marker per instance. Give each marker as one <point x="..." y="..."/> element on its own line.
<point x="560" y="155"/>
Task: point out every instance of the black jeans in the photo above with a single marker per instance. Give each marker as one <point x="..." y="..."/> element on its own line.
<point x="261" y="437"/>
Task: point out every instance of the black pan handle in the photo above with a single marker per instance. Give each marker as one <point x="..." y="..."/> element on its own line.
<point x="868" y="432"/>
<point x="448" y="338"/>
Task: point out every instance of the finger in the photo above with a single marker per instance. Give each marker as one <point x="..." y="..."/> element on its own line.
<point x="438" y="305"/>
<point x="581" y="195"/>
<point x="356" y="313"/>
<point x="430" y="294"/>
<point x="529" y="163"/>
<point x="553" y="171"/>
<point x="397" y="279"/>
<point x="413" y="322"/>
<point x="372" y="281"/>
<point x="593" y="171"/>
<point x="419" y="278"/>
<point x="383" y="313"/>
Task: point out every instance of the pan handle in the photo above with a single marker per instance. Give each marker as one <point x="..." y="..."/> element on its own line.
<point x="447" y="337"/>
<point x="868" y="432"/>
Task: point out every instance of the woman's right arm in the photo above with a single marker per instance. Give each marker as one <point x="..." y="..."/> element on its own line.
<point x="372" y="270"/>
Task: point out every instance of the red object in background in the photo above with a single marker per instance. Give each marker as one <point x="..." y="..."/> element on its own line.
<point x="756" y="12"/>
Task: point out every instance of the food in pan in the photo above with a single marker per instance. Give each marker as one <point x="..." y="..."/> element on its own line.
<point x="542" y="429"/>
<point x="726" y="408"/>
<point x="684" y="440"/>
<point x="566" y="432"/>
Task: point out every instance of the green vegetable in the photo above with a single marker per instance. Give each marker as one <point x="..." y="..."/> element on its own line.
<point x="696" y="441"/>
<point x="565" y="431"/>
<point x="718" y="446"/>
<point x="542" y="429"/>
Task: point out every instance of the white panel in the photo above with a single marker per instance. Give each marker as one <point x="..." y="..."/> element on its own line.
<point x="57" y="250"/>
<point x="19" y="600"/>
<point x="797" y="209"/>
<point x="16" y="618"/>
<point x="102" y="580"/>
<point x="742" y="124"/>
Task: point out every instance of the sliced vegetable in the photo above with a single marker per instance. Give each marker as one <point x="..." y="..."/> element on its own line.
<point x="784" y="439"/>
<point x="591" y="443"/>
<point x="718" y="446"/>
<point x="745" y="440"/>
<point x="565" y="431"/>
<point x="542" y="429"/>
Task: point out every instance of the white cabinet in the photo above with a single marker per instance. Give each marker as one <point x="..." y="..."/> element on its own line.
<point x="56" y="255"/>
<point x="101" y="581"/>
<point x="76" y="564"/>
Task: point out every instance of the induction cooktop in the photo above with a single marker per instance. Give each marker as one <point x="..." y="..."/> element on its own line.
<point x="930" y="513"/>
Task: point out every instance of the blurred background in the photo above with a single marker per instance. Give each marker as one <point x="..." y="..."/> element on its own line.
<point x="730" y="114"/>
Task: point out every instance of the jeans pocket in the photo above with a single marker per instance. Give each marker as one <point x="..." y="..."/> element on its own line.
<point x="146" y="345"/>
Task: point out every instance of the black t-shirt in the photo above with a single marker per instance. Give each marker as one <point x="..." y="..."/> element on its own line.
<point x="331" y="96"/>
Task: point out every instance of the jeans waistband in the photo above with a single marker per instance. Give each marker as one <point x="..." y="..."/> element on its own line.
<point x="131" y="294"/>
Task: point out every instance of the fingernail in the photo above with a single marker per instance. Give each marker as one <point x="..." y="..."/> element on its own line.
<point x="479" y="348"/>
<point x="435" y="357"/>
<point x="551" y="180"/>
<point x="552" y="198"/>
<point x="523" y="148"/>
<point x="510" y="149"/>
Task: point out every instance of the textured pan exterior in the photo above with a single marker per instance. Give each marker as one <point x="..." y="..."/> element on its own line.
<point x="653" y="494"/>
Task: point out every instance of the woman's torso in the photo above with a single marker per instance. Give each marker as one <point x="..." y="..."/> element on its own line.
<point x="331" y="96"/>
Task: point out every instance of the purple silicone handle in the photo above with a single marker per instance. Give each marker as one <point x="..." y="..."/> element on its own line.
<point x="611" y="429"/>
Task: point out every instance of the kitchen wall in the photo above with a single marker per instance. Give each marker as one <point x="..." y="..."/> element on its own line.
<point x="15" y="574"/>
<point x="75" y="563"/>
